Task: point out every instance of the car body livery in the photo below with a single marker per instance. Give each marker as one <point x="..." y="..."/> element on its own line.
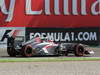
<point x="43" y="46"/>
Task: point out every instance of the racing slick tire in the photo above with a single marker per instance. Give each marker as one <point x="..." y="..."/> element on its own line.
<point x="27" y="51"/>
<point x="11" y="52"/>
<point x="79" y="50"/>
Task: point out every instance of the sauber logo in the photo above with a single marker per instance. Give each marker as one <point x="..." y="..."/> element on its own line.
<point x="94" y="9"/>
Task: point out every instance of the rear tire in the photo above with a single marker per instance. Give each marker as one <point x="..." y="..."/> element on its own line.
<point x="11" y="52"/>
<point x="27" y="51"/>
<point x="79" y="50"/>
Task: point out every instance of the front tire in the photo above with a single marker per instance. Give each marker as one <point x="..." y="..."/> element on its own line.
<point x="79" y="50"/>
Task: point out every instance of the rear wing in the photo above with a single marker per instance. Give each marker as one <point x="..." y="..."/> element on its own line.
<point x="13" y="42"/>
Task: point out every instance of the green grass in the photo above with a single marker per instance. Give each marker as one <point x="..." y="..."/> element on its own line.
<point x="50" y="59"/>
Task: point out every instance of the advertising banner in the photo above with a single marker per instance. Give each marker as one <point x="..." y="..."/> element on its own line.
<point x="89" y="36"/>
<point x="50" y="13"/>
<point x="63" y="20"/>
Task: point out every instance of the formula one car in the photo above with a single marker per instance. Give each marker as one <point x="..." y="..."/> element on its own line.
<point x="43" y="46"/>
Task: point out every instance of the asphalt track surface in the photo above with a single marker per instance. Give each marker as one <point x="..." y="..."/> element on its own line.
<point x="50" y="68"/>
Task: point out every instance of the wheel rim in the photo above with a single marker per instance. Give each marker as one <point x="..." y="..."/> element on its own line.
<point x="80" y="50"/>
<point x="28" y="52"/>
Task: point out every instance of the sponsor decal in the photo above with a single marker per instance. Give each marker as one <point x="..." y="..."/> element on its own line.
<point x="80" y="35"/>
